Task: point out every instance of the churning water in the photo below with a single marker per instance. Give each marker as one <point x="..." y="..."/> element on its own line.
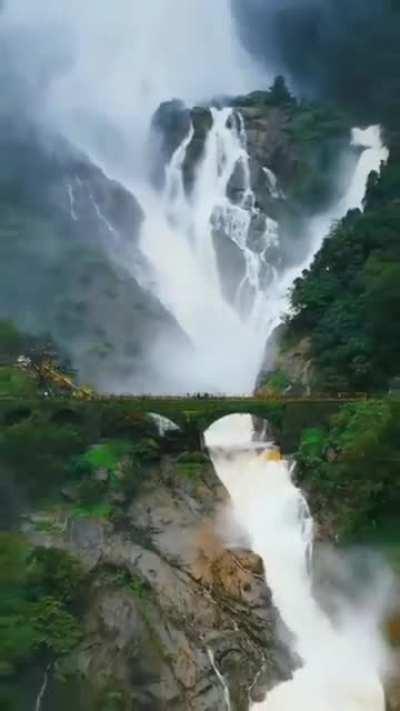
<point x="179" y="239"/>
<point x="340" y="664"/>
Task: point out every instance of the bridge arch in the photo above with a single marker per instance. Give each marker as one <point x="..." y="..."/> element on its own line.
<point x="237" y="424"/>
<point x="164" y="424"/>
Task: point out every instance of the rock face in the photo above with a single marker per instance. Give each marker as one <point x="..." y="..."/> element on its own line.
<point x="174" y="619"/>
<point x="294" y="366"/>
<point x="70" y="261"/>
<point x="294" y="154"/>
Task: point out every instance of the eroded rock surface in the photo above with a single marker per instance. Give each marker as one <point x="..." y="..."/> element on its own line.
<point x="174" y="619"/>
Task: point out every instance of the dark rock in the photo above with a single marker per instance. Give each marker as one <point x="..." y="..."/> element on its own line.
<point x="236" y="185"/>
<point x="170" y="124"/>
<point x="74" y="258"/>
<point x="202" y="122"/>
<point x="230" y="263"/>
<point x="170" y="609"/>
<point x="70" y="492"/>
<point x="101" y="475"/>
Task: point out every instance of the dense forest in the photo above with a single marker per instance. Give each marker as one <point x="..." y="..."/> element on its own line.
<point x="348" y="302"/>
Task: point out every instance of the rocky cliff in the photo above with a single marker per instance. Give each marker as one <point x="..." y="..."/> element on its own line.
<point x="292" y="155"/>
<point x="70" y="262"/>
<point x="173" y="619"/>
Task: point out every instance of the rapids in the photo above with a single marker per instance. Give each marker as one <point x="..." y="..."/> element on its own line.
<point x="340" y="665"/>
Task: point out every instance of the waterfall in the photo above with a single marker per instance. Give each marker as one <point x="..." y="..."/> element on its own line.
<point x="71" y="199"/>
<point x="373" y="153"/>
<point x="340" y="665"/>
<point x="163" y="424"/>
<point x="180" y="239"/>
<point x="43" y="689"/>
<point x="227" y="697"/>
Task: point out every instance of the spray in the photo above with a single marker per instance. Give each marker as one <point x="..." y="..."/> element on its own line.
<point x="341" y="664"/>
<point x="179" y="241"/>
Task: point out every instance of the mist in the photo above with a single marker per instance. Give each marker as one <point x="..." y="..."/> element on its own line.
<point x="345" y="51"/>
<point x="92" y="76"/>
<point x="97" y="71"/>
<point x="337" y="633"/>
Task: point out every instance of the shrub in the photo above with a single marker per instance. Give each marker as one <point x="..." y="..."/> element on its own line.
<point x="37" y="591"/>
<point x="56" y="573"/>
<point x="105" y="456"/>
<point x="11" y="340"/>
<point x="351" y="468"/>
<point x="38" y="453"/>
<point x="55" y="629"/>
<point x="15" y="383"/>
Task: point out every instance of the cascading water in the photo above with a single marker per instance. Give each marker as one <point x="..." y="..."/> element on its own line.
<point x="340" y="664"/>
<point x="179" y="239"/>
<point x="221" y="679"/>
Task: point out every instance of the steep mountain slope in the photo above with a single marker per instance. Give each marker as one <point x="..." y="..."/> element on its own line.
<point x="69" y="254"/>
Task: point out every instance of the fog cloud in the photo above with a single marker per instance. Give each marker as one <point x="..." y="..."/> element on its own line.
<point x="335" y="49"/>
<point x="97" y="70"/>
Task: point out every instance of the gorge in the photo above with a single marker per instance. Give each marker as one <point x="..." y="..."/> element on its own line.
<point x="275" y="515"/>
<point x="186" y="214"/>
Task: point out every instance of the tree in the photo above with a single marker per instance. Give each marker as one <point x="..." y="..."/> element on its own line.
<point x="279" y="92"/>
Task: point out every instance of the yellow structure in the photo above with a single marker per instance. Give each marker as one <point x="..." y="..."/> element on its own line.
<point x="272" y="455"/>
<point x="47" y="372"/>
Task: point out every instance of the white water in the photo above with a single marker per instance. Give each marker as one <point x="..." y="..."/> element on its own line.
<point x="373" y="154"/>
<point x="43" y="689"/>
<point x="163" y="424"/>
<point x="227" y="697"/>
<point x="341" y="664"/>
<point x="97" y="71"/>
<point x="178" y="239"/>
<point x="102" y="68"/>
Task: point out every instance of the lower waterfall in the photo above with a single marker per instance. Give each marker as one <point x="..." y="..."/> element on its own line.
<point x="341" y="664"/>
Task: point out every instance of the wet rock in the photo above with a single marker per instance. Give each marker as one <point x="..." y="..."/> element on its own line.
<point x="170" y="609"/>
<point x="202" y="122"/>
<point x="85" y="538"/>
<point x="70" y="492"/>
<point x="170" y="124"/>
<point x="101" y="475"/>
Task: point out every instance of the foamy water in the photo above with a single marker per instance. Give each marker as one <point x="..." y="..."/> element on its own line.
<point x="179" y="239"/>
<point x="341" y="664"/>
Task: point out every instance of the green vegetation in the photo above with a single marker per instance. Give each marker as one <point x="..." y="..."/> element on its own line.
<point x="95" y="509"/>
<point x="276" y="383"/>
<point x="11" y="341"/>
<point x="15" y="383"/>
<point x="36" y="453"/>
<point x="348" y="302"/>
<point x="317" y="134"/>
<point x="39" y="603"/>
<point x="105" y="456"/>
<point x="122" y="578"/>
<point x="46" y="446"/>
<point x="116" y="467"/>
<point x="351" y="468"/>
<point x="191" y="464"/>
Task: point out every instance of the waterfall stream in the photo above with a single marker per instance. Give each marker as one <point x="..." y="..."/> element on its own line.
<point x="43" y="689"/>
<point x="340" y="664"/>
<point x="221" y="679"/>
<point x="179" y="239"/>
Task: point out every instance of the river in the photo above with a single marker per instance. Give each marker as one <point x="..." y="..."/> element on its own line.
<point x="341" y="663"/>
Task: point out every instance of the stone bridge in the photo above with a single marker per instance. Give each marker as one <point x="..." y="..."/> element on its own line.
<point x="288" y="417"/>
<point x="193" y="415"/>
